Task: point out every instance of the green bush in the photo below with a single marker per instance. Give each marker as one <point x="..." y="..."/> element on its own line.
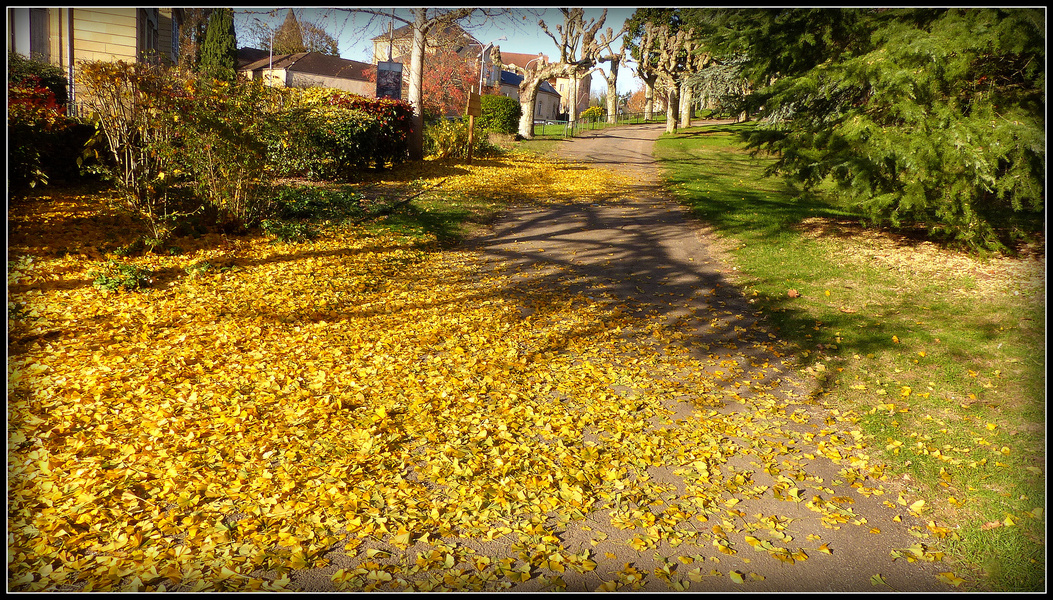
<point x="289" y="232"/>
<point x="302" y="202"/>
<point x="114" y="276"/>
<point x="394" y="119"/>
<point x="328" y="134"/>
<point x="291" y="150"/>
<point x="500" y="114"/>
<point x="349" y="138"/>
<point x="223" y="129"/>
<point x="446" y="139"/>
<point x="919" y="117"/>
<point x="20" y="68"/>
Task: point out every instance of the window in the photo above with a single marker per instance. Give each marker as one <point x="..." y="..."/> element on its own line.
<point x="175" y="37"/>
<point x="29" y="32"/>
<point x="38" y="38"/>
<point x="147" y="25"/>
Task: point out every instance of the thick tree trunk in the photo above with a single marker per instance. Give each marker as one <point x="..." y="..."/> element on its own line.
<point x="572" y="100"/>
<point x="527" y="102"/>
<point x="671" y="106"/>
<point x="648" y="107"/>
<point x="416" y="84"/>
<point x="686" y="100"/>
<point x="612" y="93"/>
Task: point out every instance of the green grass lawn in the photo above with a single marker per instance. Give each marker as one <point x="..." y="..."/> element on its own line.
<point x="939" y="354"/>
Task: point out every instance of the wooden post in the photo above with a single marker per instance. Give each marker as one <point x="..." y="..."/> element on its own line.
<point x="474" y="109"/>
<point x="471" y="136"/>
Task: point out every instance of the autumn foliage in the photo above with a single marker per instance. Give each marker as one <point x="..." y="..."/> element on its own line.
<point x="330" y="134"/>
<point x="289" y="384"/>
<point x="43" y="141"/>
<point x="179" y="144"/>
<point x="448" y="77"/>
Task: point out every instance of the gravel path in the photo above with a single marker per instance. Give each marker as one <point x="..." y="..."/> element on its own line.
<point x="650" y="256"/>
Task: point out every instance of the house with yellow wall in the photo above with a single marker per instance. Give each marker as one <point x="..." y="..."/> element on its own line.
<point x="67" y="36"/>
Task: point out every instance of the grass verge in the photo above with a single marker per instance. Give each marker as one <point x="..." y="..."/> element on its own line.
<point x="940" y="354"/>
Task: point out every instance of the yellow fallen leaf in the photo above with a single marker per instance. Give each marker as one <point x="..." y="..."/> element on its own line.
<point x="951" y="578"/>
<point x="298" y="561"/>
<point x="402" y="537"/>
<point x="737" y="577"/>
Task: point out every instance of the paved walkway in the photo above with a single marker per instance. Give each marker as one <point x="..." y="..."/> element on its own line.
<point x="647" y="254"/>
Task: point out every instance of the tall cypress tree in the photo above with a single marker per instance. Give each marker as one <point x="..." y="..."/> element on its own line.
<point x="288" y="39"/>
<point x="219" y="51"/>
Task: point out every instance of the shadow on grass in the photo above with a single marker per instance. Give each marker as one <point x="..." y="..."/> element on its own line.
<point x="765" y="209"/>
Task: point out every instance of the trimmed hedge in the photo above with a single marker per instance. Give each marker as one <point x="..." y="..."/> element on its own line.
<point x="500" y="114"/>
<point x="329" y="133"/>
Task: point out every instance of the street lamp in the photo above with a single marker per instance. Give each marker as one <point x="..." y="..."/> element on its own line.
<point x="482" y="59"/>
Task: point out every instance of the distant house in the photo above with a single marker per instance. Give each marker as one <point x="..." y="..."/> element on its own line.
<point x="548" y="99"/>
<point x="399" y="41"/>
<point x="310" y="69"/>
<point x="67" y="36"/>
<point x="248" y="55"/>
<point x="396" y="44"/>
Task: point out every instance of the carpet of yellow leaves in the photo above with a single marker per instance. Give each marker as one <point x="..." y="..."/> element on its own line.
<point x="219" y="430"/>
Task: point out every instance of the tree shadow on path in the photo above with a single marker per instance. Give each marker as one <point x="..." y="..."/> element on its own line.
<point x="645" y="255"/>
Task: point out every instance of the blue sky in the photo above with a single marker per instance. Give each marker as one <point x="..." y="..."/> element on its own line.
<point x="354" y="31"/>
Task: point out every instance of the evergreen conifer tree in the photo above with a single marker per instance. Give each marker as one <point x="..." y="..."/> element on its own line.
<point x="219" y="51"/>
<point x="288" y="39"/>
<point x="919" y="116"/>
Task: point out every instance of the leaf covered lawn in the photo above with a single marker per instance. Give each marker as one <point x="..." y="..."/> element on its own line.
<point x="369" y="390"/>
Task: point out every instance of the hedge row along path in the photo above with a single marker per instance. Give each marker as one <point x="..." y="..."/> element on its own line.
<point x="578" y="399"/>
